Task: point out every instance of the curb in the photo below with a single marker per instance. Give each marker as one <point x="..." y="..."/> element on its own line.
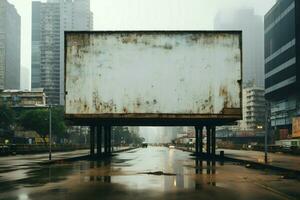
<point x="263" y="165"/>
<point x="85" y="157"/>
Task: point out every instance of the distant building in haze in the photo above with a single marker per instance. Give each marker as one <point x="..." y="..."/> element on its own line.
<point x="10" y="35"/>
<point x="76" y="16"/>
<point x="253" y="42"/>
<point x="282" y="60"/>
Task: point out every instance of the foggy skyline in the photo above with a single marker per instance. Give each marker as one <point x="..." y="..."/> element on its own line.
<point x="144" y="15"/>
<point x="157" y="134"/>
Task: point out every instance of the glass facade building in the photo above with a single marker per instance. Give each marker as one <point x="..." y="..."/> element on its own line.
<point x="45" y="49"/>
<point x="49" y="21"/>
<point x="282" y="70"/>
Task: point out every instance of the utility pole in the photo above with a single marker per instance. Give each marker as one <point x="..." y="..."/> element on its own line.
<point x="267" y="121"/>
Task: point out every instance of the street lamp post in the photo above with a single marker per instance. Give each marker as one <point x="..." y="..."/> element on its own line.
<point x="267" y="121"/>
<point x="266" y="146"/>
<point x="50" y="132"/>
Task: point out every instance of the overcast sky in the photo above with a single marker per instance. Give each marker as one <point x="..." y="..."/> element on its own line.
<point x="144" y="14"/>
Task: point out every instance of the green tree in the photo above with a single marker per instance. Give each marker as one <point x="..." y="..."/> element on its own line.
<point x="7" y="117"/>
<point x="38" y="120"/>
<point x="123" y="135"/>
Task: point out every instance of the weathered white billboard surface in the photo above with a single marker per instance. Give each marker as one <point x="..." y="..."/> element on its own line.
<point x="156" y="75"/>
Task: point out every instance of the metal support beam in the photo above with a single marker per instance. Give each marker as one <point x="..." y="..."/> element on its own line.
<point x="99" y="140"/>
<point x="92" y="140"/>
<point x="213" y="141"/>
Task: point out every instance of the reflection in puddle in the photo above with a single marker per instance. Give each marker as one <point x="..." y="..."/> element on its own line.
<point x="23" y="197"/>
<point x="174" y="173"/>
<point x="210" y="172"/>
<point x="159" y="169"/>
<point x="105" y="165"/>
<point x="207" y="173"/>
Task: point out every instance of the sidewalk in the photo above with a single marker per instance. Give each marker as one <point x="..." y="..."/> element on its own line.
<point x="280" y="160"/>
<point x="18" y="161"/>
<point x="85" y="155"/>
<point x="276" y="160"/>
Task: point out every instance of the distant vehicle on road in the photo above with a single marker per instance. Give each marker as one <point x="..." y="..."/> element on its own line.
<point x="144" y="145"/>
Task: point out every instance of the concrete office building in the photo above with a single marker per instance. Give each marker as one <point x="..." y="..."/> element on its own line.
<point x="10" y="34"/>
<point x="254" y="110"/>
<point x="282" y="56"/>
<point x="77" y="15"/>
<point x="254" y="114"/>
<point x="253" y="42"/>
<point x="49" y="21"/>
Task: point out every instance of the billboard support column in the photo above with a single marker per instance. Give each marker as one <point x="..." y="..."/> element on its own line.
<point x="197" y="140"/>
<point x="200" y="140"/>
<point x="107" y="139"/>
<point x="92" y="140"/>
<point x="208" y="140"/>
<point x="99" y="140"/>
<point x="213" y="141"/>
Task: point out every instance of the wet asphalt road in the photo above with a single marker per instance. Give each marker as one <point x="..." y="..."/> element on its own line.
<point x="150" y="173"/>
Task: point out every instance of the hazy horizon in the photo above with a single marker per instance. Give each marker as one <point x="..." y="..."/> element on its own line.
<point x="146" y="15"/>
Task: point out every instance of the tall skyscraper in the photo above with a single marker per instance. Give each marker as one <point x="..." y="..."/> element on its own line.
<point x="25" y="79"/>
<point x="77" y="15"/>
<point x="282" y="56"/>
<point x="45" y="48"/>
<point x="49" y="21"/>
<point x="10" y="34"/>
<point x="253" y="42"/>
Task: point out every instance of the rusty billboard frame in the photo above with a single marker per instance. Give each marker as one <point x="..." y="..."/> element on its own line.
<point x="228" y="117"/>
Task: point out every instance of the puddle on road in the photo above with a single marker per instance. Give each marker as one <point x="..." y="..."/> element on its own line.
<point x="158" y="173"/>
